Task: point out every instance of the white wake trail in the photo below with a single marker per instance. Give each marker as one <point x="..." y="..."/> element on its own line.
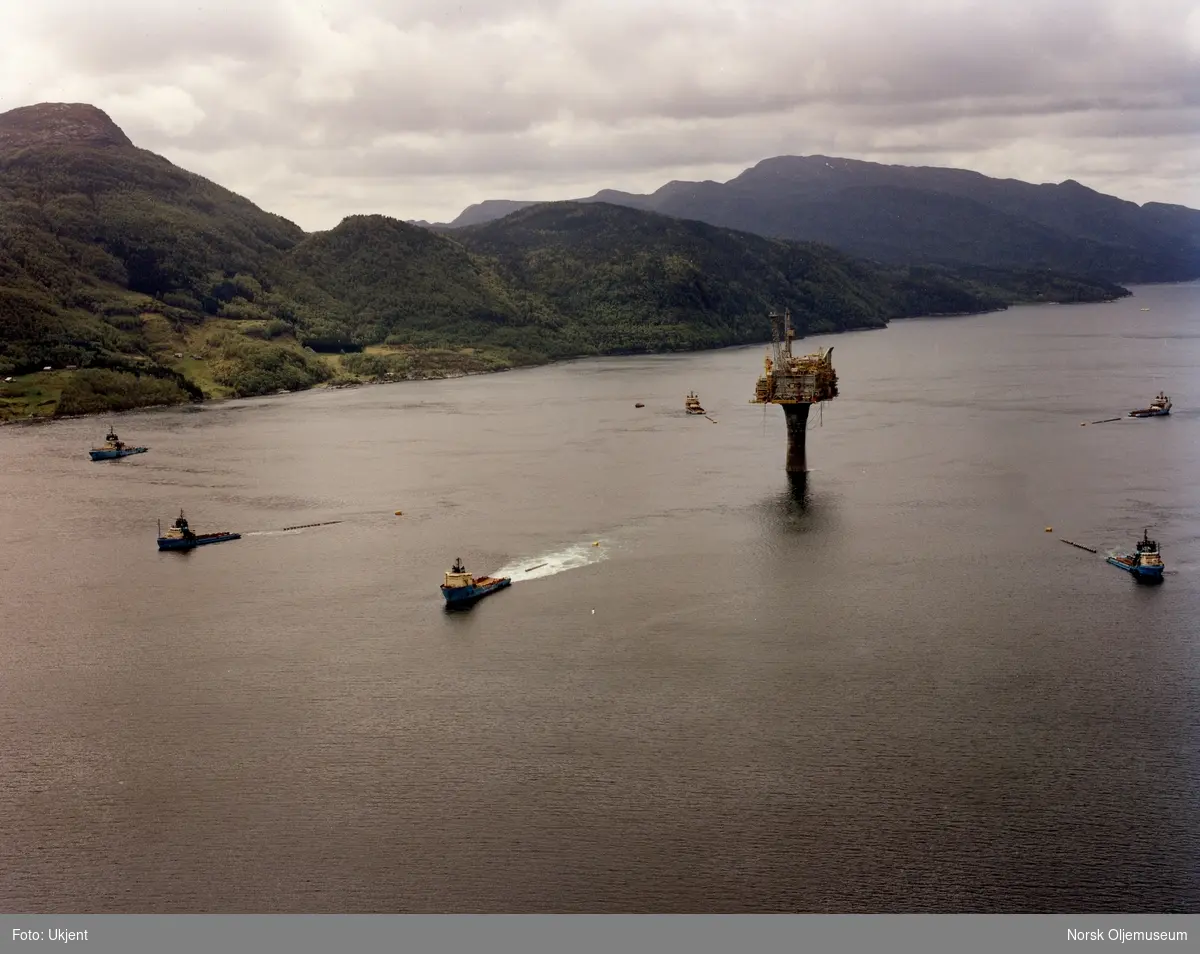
<point x="549" y="564"/>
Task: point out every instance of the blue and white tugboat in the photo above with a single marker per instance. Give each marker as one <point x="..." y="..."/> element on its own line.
<point x="460" y="588"/>
<point x="180" y="536"/>
<point x="1145" y="564"/>
<point x="114" y="447"/>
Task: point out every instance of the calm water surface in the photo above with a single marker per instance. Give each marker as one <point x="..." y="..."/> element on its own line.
<point x="887" y="690"/>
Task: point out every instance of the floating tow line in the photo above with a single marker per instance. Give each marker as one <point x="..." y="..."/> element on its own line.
<point x="1080" y="545"/>
<point x="302" y="526"/>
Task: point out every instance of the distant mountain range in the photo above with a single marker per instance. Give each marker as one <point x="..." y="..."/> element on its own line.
<point x="137" y="282"/>
<point x="925" y="215"/>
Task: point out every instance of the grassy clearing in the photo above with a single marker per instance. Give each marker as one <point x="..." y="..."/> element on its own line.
<point x="31" y="395"/>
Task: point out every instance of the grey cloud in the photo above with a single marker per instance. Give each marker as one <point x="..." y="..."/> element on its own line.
<point x="143" y="37"/>
<point x="376" y="100"/>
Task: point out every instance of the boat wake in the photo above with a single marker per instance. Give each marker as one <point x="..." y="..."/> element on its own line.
<point x="550" y="564"/>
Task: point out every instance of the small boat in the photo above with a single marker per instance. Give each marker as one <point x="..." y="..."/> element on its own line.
<point x="114" y="447"/>
<point x="1145" y="564"/>
<point x="180" y="536"/>
<point x="461" y="588"/>
<point x="692" y="404"/>
<point x="1159" y="407"/>
<point x="639" y="404"/>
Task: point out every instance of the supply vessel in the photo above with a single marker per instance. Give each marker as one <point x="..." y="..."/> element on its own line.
<point x="180" y="536"/>
<point x="691" y="403"/>
<point x="114" y="447"/>
<point x="460" y="588"/>
<point x="1159" y="407"/>
<point x="1145" y="563"/>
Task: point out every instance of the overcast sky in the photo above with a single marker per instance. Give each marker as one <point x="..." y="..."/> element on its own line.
<point x="417" y="108"/>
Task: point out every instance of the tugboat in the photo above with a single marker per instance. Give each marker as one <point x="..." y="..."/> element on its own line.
<point x="1159" y="407"/>
<point x="114" y="447"/>
<point x="180" y="536"/>
<point x="1145" y="564"/>
<point x="692" y="404"/>
<point x="461" y="588"/>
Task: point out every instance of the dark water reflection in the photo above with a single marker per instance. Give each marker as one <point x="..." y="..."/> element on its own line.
<point x="798" y="490"/>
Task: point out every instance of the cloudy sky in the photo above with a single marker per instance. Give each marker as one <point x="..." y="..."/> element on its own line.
<point x="417" y="108"/>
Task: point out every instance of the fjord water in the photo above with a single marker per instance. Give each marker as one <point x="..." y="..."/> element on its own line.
<point x="887" y="690"/>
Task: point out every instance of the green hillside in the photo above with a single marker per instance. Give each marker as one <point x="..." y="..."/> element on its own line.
<point x="621" y="279"/>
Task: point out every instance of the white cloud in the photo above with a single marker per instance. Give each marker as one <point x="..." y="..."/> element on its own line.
<point x="169" y="110"/>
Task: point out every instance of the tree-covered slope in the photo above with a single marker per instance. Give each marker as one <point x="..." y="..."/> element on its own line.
<point x="624" y="279"/>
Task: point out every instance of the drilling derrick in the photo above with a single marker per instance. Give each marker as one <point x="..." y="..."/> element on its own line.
<point x="796" y="384"/>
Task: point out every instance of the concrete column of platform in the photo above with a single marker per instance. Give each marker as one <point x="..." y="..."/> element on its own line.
<point x="796" y="416"/>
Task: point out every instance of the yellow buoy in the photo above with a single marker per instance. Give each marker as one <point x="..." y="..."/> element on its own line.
<point x="399" y="513"/>
<point x="595" y="543"/>
<point x="1049" y="529"/>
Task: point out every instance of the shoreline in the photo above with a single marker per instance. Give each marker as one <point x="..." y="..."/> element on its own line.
<point x="43" y="420"/>
<point x="48" y="419"/>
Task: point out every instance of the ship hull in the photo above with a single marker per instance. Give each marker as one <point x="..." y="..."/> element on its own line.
<point x="202" y="539"/>
<point x="1145" y="574"/>
<point x="1151" y="412"/>
<point x="466" y="595"/>
<point x="107" y="454"/>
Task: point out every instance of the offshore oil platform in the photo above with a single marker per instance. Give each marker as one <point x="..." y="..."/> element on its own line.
<point x="796" y="384"/>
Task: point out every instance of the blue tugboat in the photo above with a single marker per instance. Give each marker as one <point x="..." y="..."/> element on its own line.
<point x="1146" y="564"/>
<point x="463" y="589"/>
<point x="180" y="536"/>
<point x="114" y="447"/>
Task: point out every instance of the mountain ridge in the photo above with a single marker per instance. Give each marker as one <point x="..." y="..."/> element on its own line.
<point x="925" y="214"/>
